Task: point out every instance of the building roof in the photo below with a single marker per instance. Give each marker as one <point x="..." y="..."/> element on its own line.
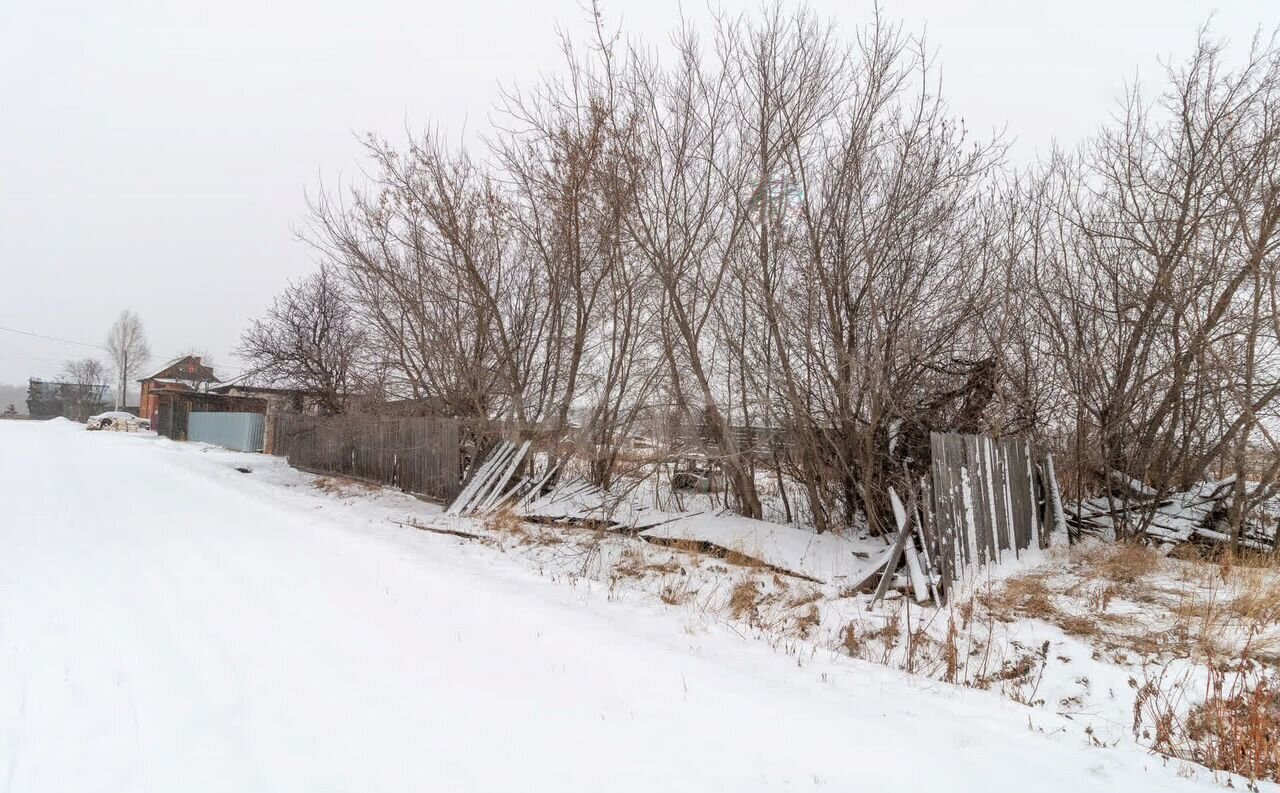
<point x="198" y="371"/>
<point x="160" y="371"/>
<point x="222" y="388"/>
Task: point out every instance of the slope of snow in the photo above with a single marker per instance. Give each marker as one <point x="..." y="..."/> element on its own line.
<point x="168" y="623"/>
<point x="822" y="557"/>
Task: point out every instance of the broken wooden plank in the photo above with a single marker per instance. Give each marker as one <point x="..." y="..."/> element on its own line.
<point x="1055" y="498"/>
<point x="497" y="487"/>
<point x="895" y="553"/>
<point x="482" y="473"/>
<point x="535" y="492"/>
<point x="483" y="487"/>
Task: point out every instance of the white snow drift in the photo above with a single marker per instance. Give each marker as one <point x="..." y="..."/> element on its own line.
<point x="168" y="623"/>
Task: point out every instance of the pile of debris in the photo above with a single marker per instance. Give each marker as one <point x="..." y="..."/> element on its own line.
<point x="498" y="485"/>
<point x="1201" y="514"/>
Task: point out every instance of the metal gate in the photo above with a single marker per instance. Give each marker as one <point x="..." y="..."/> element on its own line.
<point x="241" y="432"/>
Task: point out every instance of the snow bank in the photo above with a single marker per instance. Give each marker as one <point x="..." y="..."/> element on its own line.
<point x="827" y="558"/>
<point x="222" y="631"/>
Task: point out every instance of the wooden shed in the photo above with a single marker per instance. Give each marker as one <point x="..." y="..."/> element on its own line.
<point x="173" y="409"/>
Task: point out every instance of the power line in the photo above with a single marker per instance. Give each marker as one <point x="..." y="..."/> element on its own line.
<point x="51" y="338"/>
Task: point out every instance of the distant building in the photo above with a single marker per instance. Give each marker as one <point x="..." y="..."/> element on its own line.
<point x="47" y="399"/>
<point x="279" y="400"/>
<point x="181" y="374"/>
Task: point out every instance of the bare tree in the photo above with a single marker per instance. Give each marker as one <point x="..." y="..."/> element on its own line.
<point x="127" y="346"/>
<point x="309" y="340"/>
<point x="1154" y="260"/>
<point x="87" y="378"/>
<point x="785" y="241"/>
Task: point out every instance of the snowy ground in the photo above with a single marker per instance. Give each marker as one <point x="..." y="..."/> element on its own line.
<point x="170" y="623"/>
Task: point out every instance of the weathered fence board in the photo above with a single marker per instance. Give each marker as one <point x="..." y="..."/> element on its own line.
<point x="980" y="501"/>
<point x="415" y="454"/>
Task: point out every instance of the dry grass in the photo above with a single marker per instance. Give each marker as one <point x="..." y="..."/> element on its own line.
<point x="1234" y="726"/>
<point x="506" y="523"/>
<point x="635" y="563"/>
<point x="1220" y="614"/>
<point x="1125" y="563"/>
<point x="543" y="538"/>
<point x="803" y="598"/>
<point x="858" y="643"/>
<point x="1026" y="595"/>
<point x="951" y="652"/>
<point x="1078" y="625"/>
<point x="688" y="546"/>
<point x="676" y="594"/>
<point x="743" y="560"/>
<point x="1259" y="602"/>
<point x="807" y="620"/>
<point x="1098" y="598"/>
<point x="341" y="486"/>
<point x="744" y="600"/>
<point x="1216" y="617"/>
<point x="852" y="640"/>
<point x="1189" y="609"/>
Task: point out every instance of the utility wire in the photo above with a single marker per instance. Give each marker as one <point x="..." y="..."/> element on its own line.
<point x="51" y="338"/>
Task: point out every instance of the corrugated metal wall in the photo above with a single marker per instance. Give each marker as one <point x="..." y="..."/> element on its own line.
<point x="241" y="432"/>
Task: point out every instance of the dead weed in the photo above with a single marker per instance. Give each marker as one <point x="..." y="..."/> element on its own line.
<point x="744" y="600"/>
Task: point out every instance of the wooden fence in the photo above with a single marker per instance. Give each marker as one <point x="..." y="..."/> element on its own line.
<point x="984" y="498"/>
<point x="417" y="455"/>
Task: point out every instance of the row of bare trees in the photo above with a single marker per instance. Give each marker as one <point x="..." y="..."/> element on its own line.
<point x="776" y="228"/>
<point x="127" y="351"/>
<point x="1148" y="262"/>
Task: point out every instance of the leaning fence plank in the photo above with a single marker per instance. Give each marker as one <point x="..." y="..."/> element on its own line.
<point x="931" y="573"/>
<point x="905" y="518"/>
<point x="1006" y="499"/>
<point x="483" y="486"/>
<point x="1020" y="489"/>
<point x="499" y="484"/>
<point x="968" y="525"/>
<point x="973" y="496"/>
<point x="1055" y="497"/>
<point x="930" y="524"/>
<point x="988" y="497"/>
<point x="513" y="491"/>
<point x="947" y="490"/>
<point x="891" y="564"/>
<point x="482" y="473"/>
<point x="944" y="501"/>
<point x="937" y="509"/>
<point x="999" y="485"/>
<point x="1033" y="511"/>
<point x="536" y="491"/>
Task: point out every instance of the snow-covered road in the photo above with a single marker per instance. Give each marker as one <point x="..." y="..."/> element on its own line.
<point x="170" y="624"/>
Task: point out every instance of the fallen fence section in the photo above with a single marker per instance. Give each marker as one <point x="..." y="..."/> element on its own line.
<point x="1200" y="514"/>
<point x="497" y="483"/>
<point x="984" y="500"/>
<point x="416" y="454"/>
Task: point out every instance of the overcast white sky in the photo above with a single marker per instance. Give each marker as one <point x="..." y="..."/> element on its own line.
<point x="154" y="153"/>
